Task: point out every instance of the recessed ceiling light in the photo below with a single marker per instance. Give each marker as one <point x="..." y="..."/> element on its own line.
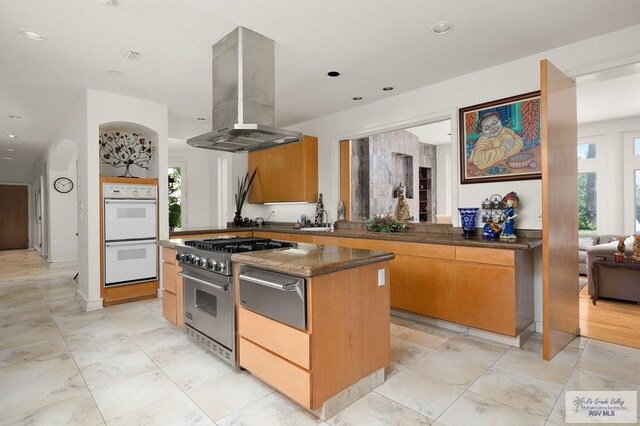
<point x="12" y="136"/>
<point x="116" y="73"/>
<point x="9" y="149"/>
<point x="8" y="158"/>
<point x="201" y="119"/>
<point x="32" y="34"/>
<point x="441" y="27"/>
<point x="333" y="73"/>
<point x="15" y="117"/>
<point x="387" y="89"/>
<point x="107" y="2"/>
<point x="357" y="98"/>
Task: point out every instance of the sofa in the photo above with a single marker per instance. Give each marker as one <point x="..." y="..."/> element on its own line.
<point x="613" y="283"/>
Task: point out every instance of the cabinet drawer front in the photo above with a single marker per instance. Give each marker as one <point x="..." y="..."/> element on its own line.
<point x="436" y="251"/>
<point x="327" y="241"/>
<point x="168" y="256"/>
<point x="169" y="277"/>
<point x="288" y="378"/>
<point x="486" y="255"/>
<point x="169" y="306"/>
<point x="363" y="243"/>
<point x="301" y="238"/>
<point x="285" y="341"/>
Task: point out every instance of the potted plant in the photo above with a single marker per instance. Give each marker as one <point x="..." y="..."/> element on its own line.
<point x="241" y="195"/>
<point x="384" y="223"/>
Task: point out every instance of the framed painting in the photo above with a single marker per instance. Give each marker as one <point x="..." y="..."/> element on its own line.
<point x="500" y="140"/>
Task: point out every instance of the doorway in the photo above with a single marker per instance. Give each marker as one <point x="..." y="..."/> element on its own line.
<point x="609" y="189"/>
<point x="418" y="158"/>
<point x="14" y="217"/>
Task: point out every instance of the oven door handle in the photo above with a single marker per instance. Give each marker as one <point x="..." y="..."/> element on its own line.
<point x="129" y="201"/>
<point x="271" y="284"/>
<point x="198" y="280"/>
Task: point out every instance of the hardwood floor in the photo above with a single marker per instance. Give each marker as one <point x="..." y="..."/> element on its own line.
<point x="610" y="320"/>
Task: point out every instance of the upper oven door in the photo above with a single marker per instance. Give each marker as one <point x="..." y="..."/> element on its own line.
<point x="126" y="219"/>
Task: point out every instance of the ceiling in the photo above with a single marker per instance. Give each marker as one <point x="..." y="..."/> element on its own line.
<point x="373" y="43"/>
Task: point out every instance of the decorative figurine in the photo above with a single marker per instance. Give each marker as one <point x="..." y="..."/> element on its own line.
<point x="508" y="232"/>
<point x="491" y="230"/>
<point x="402" y="210"/>
<point x="341" y="210"/>
<point x="319" y="211"/>
<point x="621" y="247"/>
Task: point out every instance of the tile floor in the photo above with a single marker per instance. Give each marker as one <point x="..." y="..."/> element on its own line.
<point x="126" y="365"/>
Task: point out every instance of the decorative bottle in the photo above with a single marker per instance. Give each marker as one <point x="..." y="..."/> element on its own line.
<point x="319" y="211"/>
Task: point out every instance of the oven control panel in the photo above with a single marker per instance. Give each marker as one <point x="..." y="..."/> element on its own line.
<point x="118" y="190"/>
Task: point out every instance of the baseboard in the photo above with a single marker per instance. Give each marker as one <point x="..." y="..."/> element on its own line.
<point x="159" y="293"/>
<point x="62" y="264"/>
<point x="538" y="326"/>
<point x="484" y="334"/>
<point x="88" y="305"/>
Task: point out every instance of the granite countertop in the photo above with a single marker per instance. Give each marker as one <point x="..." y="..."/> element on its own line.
<point x="447" y="238"/>
<point x="309" y="260"/>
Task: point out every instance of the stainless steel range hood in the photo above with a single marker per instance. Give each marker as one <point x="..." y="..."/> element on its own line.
<point x="243" y="96"/>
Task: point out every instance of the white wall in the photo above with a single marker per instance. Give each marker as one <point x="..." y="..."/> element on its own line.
<point x="92" y="110"/>
<point x="613" y="168"/>
<point x="200" y="183"/>
<point x="443" y="158"/>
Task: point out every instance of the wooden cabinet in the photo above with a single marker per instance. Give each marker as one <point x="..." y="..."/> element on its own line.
<point x="425" y="194"/>
<point x="432" y="290"/>
<point x="172" y="295"/>
<point x="281" y="236"/>
<point x="347" y="337"/>
<point x="285" y="173"/>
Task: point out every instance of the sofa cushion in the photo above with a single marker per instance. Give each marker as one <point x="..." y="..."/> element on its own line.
<point x="582" y="256"/>
<point x="585" y="242"/>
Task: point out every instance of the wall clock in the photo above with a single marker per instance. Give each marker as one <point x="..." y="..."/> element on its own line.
<point x="63" y="185"/>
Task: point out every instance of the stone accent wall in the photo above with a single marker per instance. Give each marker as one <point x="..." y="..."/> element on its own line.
<point x="359" y="179"/>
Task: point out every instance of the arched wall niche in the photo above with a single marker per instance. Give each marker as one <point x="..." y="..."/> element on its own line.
<point x="129" y="129"/>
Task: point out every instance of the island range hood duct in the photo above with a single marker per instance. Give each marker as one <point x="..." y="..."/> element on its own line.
<point x="243" y="96"/>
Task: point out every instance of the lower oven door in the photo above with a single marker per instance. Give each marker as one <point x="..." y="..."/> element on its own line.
<point x="208" y="304"/>
<point x="278" y="296"/>
<point x="127" y="262"/>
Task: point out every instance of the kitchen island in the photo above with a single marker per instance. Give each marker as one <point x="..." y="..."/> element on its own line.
<point x="341" y="352"/>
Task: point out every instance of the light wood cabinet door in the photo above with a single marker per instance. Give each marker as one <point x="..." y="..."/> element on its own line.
<point x="485" y="297"/>
<point x="169" y="276"/>
<point x="432" y="287"/>
<point x="281" y="236"/>
<point x="300" y="238"/>
<point x="285" y="173"/>
<point x="169" y="306"/>
<point x="401" y="294"/>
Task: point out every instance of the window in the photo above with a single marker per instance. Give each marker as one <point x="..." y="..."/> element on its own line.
<point x="587" y="217"/>
<point x="637" y="172"/>
<point x="175" y="197"/>
<point x="636" y="146"/>
<point x="586" y="151"/>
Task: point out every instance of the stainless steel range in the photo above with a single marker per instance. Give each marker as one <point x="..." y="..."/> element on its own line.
<point x="208" y="289"/>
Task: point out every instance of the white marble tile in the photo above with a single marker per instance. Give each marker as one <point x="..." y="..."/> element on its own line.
<point x="115" y="368"/>
<point x="520" y="362"/>
<point x="403" y="353"/>
<point x="78" y="410"/>
<point x="223" y="395"/>
<point x="475" y="349"/>
<point x="22" y="397"/>
<point x="401" y="321"/>
<point x="626" y="352"/>
<point x="272" y="410"/>
<point x="58" y="292"/>
<point x="157" y="338"/>
<point x="154" y="305"/>
<point x="36" y="319"/>
<point x="64" y="306"/>
<point x="192" y="371"/>
<point x="478" y="410"/>
<point x="81" y="322"/>
<point x="584" y="380"/>
<point x="22" y="312"/>
<point x="174" y="352"/>
<point x="104" y="331"/>
<point x="128" y="395"/>
<point x="376" y="410"/>
<point x="606" y="364"/>
<point x="132" y="323"/>
<point x="569" y="355"/>
<point x="171" y="411"/>
<point x="102" y="350"/>
<point x="523" y="393"/>
<point x="420" y="392"/>
<point x="39" y="351"/>
<point x="29" y="373"/>
<point x="426" y="335"/>
<point x="449" y="368"/>
<point x="126" y="311"/>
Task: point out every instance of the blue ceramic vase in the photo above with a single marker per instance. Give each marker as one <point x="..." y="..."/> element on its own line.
<point x="468" y="220"/>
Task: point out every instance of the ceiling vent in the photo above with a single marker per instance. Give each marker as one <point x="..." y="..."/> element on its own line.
<point x="132" y="55"/>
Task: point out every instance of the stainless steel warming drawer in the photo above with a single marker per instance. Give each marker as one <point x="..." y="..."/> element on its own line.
<point x="275" y="295"/>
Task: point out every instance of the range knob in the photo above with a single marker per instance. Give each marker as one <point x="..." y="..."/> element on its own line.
<point x="135" y="193"/>
<point x="222" y="266"/>
<point x="202" y="262"/>
<point x="180" y="257"/>
<point x="194" y="260"/>
<point x="211" y="265"/>
<point x="186" y="257"/>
